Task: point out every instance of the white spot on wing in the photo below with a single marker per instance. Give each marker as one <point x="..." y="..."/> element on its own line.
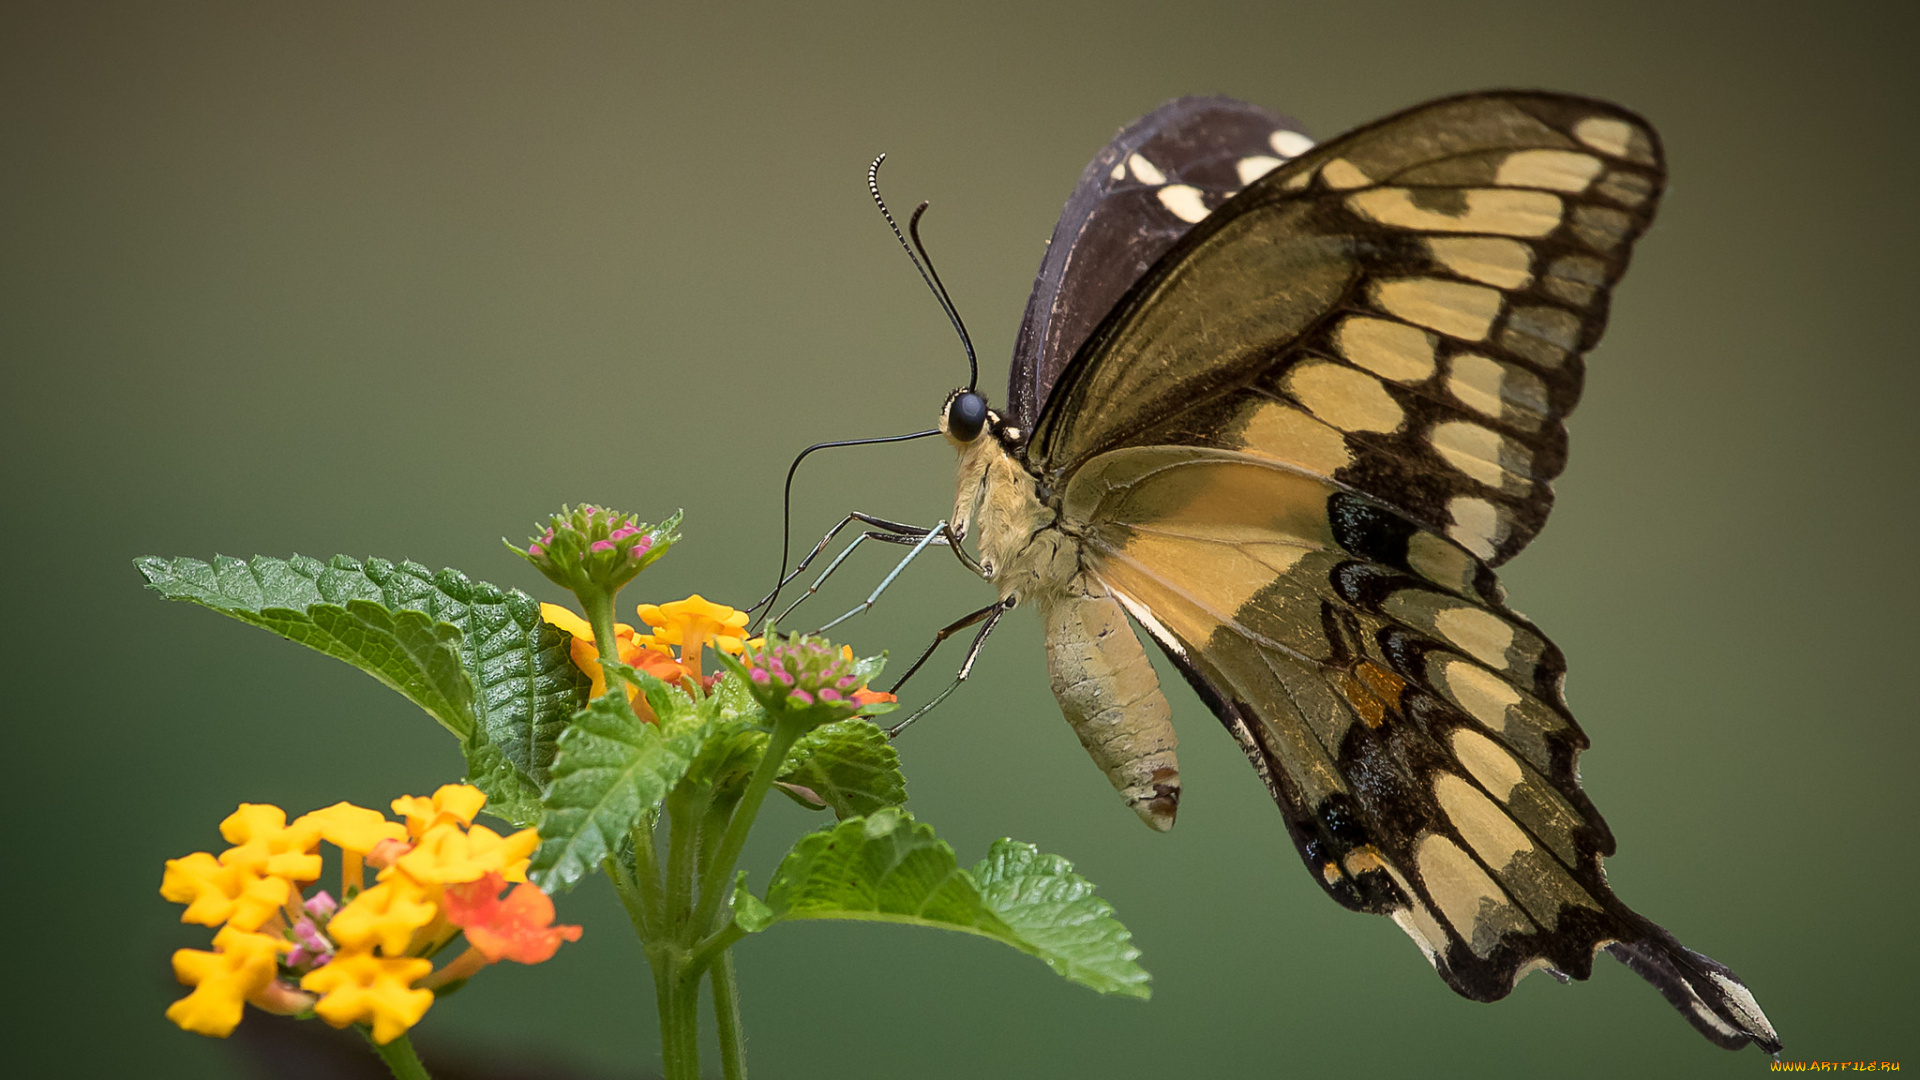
<point x="1451" y="307"/>
<point x="1343" y="174"/>
<point x="1289" y="143"/>
<point x="1255" y="167"/>
<point x="1144" y="171"/>
<point x="1605" y="134"/>
<point x="1479" y="633"/>
<point x="1507" y="211"/>
<point x="1392" y="350"/>
<point x="1119" y="171"/>
<point x="1184" y="201"/>
<point x="1561" y="170"/>
<point x="1493" y="767"/>
<point x="1476" y="524"/>
<point x="1348" y="399"/>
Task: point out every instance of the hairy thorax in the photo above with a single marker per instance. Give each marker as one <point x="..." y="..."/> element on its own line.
<point x="1022" y="548"/>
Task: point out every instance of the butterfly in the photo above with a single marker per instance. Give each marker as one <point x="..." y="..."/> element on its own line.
<point x="1286" y="406"/>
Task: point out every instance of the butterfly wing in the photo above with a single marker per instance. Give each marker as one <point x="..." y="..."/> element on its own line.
<point x="1295" y="450"/>
<point x="1136" y="198"/>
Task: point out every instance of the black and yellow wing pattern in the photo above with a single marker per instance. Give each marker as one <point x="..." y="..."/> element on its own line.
<point x="1325" y="399"/>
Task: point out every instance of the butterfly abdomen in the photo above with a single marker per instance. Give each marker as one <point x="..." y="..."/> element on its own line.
<point x="1101" y="676"/>
<point x="1110" y="695"/>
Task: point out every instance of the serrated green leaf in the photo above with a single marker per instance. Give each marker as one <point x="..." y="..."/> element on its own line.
<point x="886" y="867"/>
<point x="510" y="796"/>
<point x="850" y="765"/>
<point x="345" y="617"/>
<point x="511" y="685"/>
<point x="1055" y="911"/>
<point x="611" y="768"/>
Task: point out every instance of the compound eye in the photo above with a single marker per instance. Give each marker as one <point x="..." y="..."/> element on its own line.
<point x="966" y="416"/>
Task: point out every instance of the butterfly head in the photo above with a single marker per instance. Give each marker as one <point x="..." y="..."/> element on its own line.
<point x="965" y="416"/>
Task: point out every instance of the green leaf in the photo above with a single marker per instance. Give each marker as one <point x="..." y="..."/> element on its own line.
<point x="477" y="658"/>
<point x="1055" y="911"/>
<point x="885" y="867"/>
<point x="850" y="765"/>
<point x="749" y="913"/>
<point x="341" y="614"/>
<point x="612" y="767"/>
<point x="511" y="797"/>
<point x="888" y="868"/>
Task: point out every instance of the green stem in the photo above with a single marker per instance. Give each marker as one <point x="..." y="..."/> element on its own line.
<point x="714" y="947"/>
<point x="399" y="1056"/>
<point x="599" y="609"/>
<point x="630" y="899"/>
<point x="646" y="872"/>
<point x="679" y="1001"/>
<point x="686" y="806"/>
<point x="726" y="1012"/>
<point x="719" y="872"/>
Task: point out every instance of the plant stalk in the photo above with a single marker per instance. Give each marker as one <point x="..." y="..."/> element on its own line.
<point x="399" y="1056"/>
<point x="726" y="1014"/>
<point x="719" y="874"/>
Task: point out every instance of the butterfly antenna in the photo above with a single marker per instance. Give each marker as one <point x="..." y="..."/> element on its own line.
<point x="923" y="262"/>
<point x="786" y="508"/>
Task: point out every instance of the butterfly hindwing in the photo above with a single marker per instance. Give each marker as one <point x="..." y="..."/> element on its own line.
<point x="1402" y="310"/>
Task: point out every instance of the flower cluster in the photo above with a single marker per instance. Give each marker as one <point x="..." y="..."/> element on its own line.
<point x="367" y="957"/>
<point x="805" y="675"/>
<point x="593" y="549"/>
<point x="690" y="625"/>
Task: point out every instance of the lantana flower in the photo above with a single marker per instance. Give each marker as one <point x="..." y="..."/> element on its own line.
<point x="364" y="961"/>
<point x="690" y="625"/>
<point x="636" y="651"/>
<point x="692" y="622"/>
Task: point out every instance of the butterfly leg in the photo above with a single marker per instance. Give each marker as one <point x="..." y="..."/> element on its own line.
<point x="990" y="615"/>
<point x="894" y="531"/>
<point x="936" y="535"/>
<point x="916" y="537"/>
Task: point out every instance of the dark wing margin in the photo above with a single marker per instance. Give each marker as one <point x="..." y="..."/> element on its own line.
<point x="1136" y="198"/>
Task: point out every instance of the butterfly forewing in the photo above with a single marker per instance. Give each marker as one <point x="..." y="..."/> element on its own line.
<point x="1136" y="198"/>
<point x="1403" y="311"/>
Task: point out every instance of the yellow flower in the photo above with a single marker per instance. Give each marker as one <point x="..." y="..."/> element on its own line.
<point x="447" y="855"/>
<point x="241" y="966"/>
<point x="691" y="623"/>
<point x="451" y="803"/>
<point x="385" y="915"/>
<point x="217" y="893"/>
<point x="362" y="987"/>
<point x="265" y="844"/>
<point x="355" y="830"/>
<point x="503" y="855"/>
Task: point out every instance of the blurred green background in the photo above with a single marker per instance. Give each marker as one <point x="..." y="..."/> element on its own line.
<point x="394" y="279"/>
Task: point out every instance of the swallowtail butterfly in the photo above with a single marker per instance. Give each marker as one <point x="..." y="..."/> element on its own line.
<point x="1288" y="406"/>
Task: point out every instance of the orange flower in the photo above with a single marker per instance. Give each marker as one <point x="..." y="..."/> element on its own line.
<point x="519" y="928"/>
